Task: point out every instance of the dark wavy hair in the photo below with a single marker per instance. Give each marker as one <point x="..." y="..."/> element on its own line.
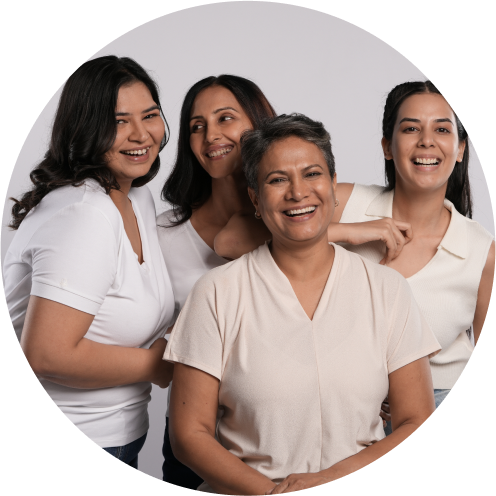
<point x="458" y="190"/>
<point x="256" y="143"/>
<point x="189" y="186"/>
<point x="84" y="130"/>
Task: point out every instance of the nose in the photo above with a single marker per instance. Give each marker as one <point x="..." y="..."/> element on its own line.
<point x="426" y="138"/>
<point x="297" y="190"/>
<point x="139" y="132"/>
<point x="213" y="133"/>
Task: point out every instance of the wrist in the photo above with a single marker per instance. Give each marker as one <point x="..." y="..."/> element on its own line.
<point x="337" y="232"/>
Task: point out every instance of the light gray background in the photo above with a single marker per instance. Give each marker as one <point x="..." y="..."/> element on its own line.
<point x="304" y="61"/>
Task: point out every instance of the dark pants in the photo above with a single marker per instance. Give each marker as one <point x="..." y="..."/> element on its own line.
<point x="129" y="452"/>
<point x="173" y="470"/>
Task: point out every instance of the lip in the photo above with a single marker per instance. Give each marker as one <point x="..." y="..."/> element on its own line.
<point x="215" y="148"/>
<point x="300" y="218"/>
<point x="136" y="159"/>
<point x="427" y="168"/>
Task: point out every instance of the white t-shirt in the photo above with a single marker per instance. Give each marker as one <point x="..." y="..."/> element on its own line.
<point x="187" y="258"/>
<point x="73" y="249"/>
<point x="299" y="395"/>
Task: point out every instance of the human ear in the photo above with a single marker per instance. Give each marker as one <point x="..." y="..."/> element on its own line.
<point x="253" y="197"/>
<point x="386" y="148"/>
<point x="461" y="151"/>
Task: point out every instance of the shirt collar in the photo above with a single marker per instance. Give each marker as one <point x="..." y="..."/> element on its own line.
<point x="455" y="239"/>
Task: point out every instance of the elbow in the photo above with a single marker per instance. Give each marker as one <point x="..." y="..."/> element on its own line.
<point x="179" y="447"/>
<point x="225" y="245"/>
<point x="41" y="364"/>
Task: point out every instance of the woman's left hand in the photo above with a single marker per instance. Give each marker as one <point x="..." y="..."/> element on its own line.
<point x="297" y="482"/>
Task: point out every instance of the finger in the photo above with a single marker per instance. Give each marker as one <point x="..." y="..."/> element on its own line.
<point x="405" y="228"/>
<point x="384" y="423"/>
<point x="391" y="245"/>
<point x="279" y="489"/>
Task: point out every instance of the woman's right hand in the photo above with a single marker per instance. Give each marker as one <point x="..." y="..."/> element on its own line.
<point x="394" y="233"/>
<point x="161" y="373"/>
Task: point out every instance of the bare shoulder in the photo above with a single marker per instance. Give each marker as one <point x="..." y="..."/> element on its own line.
<point x="343" y="193"/>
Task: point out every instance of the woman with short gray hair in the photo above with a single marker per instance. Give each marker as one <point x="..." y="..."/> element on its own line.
<point x="279" y="376"/>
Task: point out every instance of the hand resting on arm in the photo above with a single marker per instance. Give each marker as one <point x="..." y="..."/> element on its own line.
<point x="411" y="402"/>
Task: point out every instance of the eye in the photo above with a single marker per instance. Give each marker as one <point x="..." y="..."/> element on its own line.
<point x="276" y="180"/>
<point x="120" y="121"/>
<point x="196" y="127"/>
<point x="444" y="130"/>
<point x="314" y="174"/>
<point x="410" y="129"/>
<point x="226" y="118"/>
<point x="149" y="116"/>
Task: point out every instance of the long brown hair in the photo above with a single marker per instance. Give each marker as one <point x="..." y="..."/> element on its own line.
<point x="84" y="131"/>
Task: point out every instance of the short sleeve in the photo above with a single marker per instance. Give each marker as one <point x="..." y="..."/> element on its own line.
<point x="196" y="339"/>
<point x="410" y="337"/>
<point x="74" y="258"/>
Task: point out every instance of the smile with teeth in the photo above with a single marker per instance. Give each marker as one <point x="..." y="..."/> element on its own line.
<point x="425" y="161"/>
<point x="136" y="152"/>
<point x="300" y="211"/>
<point x="217" y="153"/>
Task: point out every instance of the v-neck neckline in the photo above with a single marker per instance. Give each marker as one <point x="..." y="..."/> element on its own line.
<point x="202" y="242"/>
<point x="141" y="232"/>
<point x="284" y="284"/>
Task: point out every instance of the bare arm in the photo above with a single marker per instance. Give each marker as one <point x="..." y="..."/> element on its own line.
<point x="54" y="344"/>
<point x="193" y="413"/>
<point x="244" y="233"/>
<point x="484" y="294"/>
<point x="411" y="401"/>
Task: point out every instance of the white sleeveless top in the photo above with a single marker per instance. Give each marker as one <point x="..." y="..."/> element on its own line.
<point x="446" y="288"/>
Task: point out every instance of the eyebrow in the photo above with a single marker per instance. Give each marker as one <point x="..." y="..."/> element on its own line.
<point x="154" y="107"/>
<point x="285" y="173"/>
<point x="215" y="112"/>
<point x="410" y="119"/>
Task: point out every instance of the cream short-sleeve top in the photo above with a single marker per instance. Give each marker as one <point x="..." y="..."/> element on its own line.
<point x="299" y="395"/>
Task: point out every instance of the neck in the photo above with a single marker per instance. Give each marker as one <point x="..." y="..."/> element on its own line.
<point x="424" y="210"/>
<point x="229" y="196"/>
<point x="303" y="261"/>
<point x="120" y="196"/>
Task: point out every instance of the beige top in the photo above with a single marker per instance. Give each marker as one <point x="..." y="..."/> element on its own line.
<point x="299" y="395"/>
<point x="446" y="288"/>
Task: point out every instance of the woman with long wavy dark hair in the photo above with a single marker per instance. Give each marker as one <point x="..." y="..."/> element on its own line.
<point x="206" y="189"/>
<point x="86" y="285"/>
<point x="419" y="224"/>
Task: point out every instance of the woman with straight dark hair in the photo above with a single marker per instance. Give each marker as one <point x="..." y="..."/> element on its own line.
<point x="86" y="285"/>
<point x="206" y="189"/>
<point x="419" y="224"/>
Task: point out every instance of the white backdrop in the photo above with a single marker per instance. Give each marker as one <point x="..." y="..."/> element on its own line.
<point x="303" y="60"/>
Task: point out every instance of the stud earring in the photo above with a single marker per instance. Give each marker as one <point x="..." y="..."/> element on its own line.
<point x="336" y="203"/>
<point x="257" y="215"/>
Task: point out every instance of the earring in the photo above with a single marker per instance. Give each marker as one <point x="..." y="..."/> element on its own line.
<point x="257" y="215"/>
<point x="336" y="203"/>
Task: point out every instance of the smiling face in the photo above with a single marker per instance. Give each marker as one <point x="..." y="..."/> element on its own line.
<point x="296" y="192"/>
<point x="140" y="130"/>
<point x="216" y="125"/>
<point x="425" y="145"/>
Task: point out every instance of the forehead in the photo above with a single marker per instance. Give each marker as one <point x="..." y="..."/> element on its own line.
<point x="213" y="98"/>
<point x="425" y="106"/>
<point x="292" y="152"/>
<point x="135" y="95"/>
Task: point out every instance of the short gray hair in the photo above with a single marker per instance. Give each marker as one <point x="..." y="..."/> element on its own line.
<point x="256" y="143"/>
